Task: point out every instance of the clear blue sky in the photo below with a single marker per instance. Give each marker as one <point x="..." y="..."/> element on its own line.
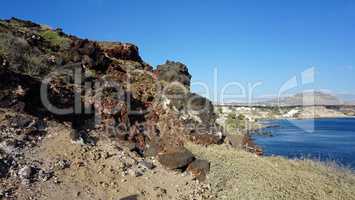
<point x="248" y="41"/>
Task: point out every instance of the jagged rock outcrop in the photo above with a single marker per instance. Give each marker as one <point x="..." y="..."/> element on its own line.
<point x="195" y="111"/>
<point x="174" y="72"/>
<point x="121" y="51"/>
<point x="104" y="86"/>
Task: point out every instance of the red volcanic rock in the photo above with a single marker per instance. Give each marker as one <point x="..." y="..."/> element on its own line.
<point x="122" y="51"/>
<point x="250" y="146"/>
<point x="89" y="54"/>
<point x="199" y="169"/>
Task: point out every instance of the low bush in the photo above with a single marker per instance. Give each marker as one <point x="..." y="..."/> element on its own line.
<point x="55" y="39"/>
<point x="234" y="122"/>
<point x="34" y="65"/>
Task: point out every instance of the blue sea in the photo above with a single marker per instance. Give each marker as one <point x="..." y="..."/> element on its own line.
<point x="319" y="139"/>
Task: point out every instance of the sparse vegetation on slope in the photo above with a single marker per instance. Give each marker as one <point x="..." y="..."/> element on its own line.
<point x="237" y="174"/>
<point x="55" y="39"/>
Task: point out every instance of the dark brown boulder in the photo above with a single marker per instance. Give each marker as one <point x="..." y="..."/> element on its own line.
<point x="175" y="158"/>
<point x="121" y="51"/>
<point x="199" y="169"/>
<point x="174" y="71"/>
<point x="89" y="54"/>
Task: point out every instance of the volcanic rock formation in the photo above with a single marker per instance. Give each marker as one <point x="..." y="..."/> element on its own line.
<point x="107" y="87"/>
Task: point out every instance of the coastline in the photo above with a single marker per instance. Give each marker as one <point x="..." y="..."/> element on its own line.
<point x="317" y="117"/>
<point x="306" y="145"/>
<point x="258" y="129"/>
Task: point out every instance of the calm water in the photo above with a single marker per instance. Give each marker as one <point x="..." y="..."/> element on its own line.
<point x="321" y="139"/>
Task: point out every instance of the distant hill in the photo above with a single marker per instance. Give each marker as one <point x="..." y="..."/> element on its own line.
<point x="301" y="99"/>
<point x="306" y="99"/>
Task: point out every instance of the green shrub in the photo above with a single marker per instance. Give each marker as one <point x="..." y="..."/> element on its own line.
<point x="231" y="123"/>
<point x="220" y="110"/>
<point x="2" y="52"/>
<point x="55" y="39"/>
<point x="6" y="41"/>
<point x="34" y="65"/>
<point x="241" y="117"/>
<point x="234" y="122"/>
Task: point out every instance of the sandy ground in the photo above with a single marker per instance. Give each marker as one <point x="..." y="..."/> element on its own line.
<point x="100" y="172"/>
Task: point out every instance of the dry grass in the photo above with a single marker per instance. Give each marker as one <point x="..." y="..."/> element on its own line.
<point x="240" y="175"/>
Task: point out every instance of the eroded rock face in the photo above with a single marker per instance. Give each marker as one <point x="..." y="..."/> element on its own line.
<point x="174" y="71"/>
<point x="119" y="95"/>
<point x="121" y="51"/>
<point x="196" y="111"/>
<point x="89" y="54"/>
<point x="202" y="108"/>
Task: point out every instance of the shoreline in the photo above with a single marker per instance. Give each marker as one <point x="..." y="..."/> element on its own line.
<point x="262" y="126"/>
<point x="307" y="118"/>
<point x="301" y="157"/>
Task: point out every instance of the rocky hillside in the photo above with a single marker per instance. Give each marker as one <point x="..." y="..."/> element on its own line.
<point x="82" y="119"/>
<point x="102" y="91"/>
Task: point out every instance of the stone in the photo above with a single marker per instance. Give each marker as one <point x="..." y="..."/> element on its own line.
<point x="9" y="147"/>
<point x="133" y="197"/>
<point x="135" y="172"/>
<point x="56" y="180"/>
<point x="20" y="121"/>
<point x="146" y="165"/>
<point x="44" y="176"/>
<point x="176" y="158"/>
<point x="81" y="137"/>
<point x="25" y="172"/>
<point x="61" y="164"/>
<point x="199" y="169"/>
<point x="26" y="182"/>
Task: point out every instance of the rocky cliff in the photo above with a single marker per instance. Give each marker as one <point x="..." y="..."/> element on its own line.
<point x="104" y="87"/>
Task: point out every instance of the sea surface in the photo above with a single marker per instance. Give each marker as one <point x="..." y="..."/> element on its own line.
<point x="319" y="139"/>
